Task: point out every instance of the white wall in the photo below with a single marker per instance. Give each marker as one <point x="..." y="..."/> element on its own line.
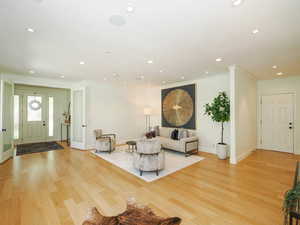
<point x="207" y="88"/>
<point x="282" y="85"/>
<point x="243" y="113"/>
<point x="119" y="109"/>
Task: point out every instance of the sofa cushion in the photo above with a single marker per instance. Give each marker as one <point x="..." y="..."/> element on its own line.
<point x="165" y="132"/>
<point x="171" y="144"/>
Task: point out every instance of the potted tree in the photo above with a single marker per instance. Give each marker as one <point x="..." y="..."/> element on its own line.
<point x="219" y="111"/>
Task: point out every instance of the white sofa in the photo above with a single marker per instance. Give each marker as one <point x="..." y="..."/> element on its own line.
<point x="188" y="145"/>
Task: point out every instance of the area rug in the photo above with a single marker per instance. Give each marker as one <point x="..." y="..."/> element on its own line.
<point x="174" y="161"/>
<point x="38" y="147"/>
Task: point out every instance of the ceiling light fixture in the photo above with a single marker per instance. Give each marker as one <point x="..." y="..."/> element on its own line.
<point x="236" y="2"/>
<point x="31" y="30"/>
<point x="82" y="63"/>
<point x="104" y="78"/>
<point x="219" y="59"/>
<point x="149" y="61"/>
<point x="255" y="31"/>
<point x="31" y="71"/>
<point x="142" y="77"/>
<point x="182" y="78"/>
<point x="274" y="67"/>
<point x="206" y="72"/>
<point x="62" y="76"/>
<point x="130" y="8"/>
<point x="280" y="73"/>
<point x="161" y="71"/>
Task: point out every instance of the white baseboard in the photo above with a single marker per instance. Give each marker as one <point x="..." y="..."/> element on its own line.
<point x="207" y="149"/>
<point x="245" y="155"/>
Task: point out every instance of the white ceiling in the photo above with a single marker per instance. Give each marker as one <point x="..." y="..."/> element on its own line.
<point x="182" y="37"/>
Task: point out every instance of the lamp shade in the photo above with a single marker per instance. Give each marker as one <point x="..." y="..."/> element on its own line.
<point x="147" y="111"/>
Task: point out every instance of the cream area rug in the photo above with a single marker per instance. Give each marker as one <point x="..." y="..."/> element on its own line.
<point x="174" y="161"/>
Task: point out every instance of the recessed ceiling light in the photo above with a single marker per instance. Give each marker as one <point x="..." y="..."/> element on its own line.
<point x="280" y="73"/>
<point x="31" y="71"/>
<point x="130" y="9"/>
<point x="31" y="30"/>
<point x="161" y="71"/>
<point x="62" y="76"/>
<point x="255" y="31"/>
<point x="236" y="2"/>
<point x="142" y="77"/>
<point x="219" y="59"/>
<point x="182" y="78"/>
<point x="206" y="72"/>
<point x="104" y="78"/>
<point x="149" y="61"/>
<point x="82" y="63"/>
<point x="274" y="67"/>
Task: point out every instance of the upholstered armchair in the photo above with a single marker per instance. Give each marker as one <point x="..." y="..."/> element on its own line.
<point x="104" y="142"/>
<point x="149" y="156"/>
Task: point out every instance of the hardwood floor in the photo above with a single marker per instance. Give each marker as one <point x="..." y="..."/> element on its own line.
<point x="57" y="187"/>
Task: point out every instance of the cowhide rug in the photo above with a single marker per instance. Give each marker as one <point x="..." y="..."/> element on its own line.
<point x="134" y="215"/>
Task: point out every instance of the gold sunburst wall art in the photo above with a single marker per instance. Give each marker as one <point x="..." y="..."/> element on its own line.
<point x="178" y="107"/>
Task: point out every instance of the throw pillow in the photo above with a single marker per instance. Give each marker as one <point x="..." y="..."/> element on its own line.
<point x="185" y="134"/>
<point x="180" y="134"/>
<point x="150" y="134"/>
<point x="156" y="129"/>
<point x="174" y="134"/>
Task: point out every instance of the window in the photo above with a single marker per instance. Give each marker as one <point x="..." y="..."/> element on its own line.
<point x="51" y="119"/>
<point x="34" y="108"/>
<point x="16" y="116"/>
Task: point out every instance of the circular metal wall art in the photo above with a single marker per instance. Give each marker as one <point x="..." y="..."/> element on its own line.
<point x="35" y="105"/>
<point x="178" y="107"/>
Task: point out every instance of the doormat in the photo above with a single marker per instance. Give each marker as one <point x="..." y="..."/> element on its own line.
<point x="38" y="147"/>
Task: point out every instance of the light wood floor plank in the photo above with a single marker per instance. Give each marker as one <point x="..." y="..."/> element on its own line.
<point x="58" y="187"/>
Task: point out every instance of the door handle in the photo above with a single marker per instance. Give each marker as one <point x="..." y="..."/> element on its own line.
<point x="3" y="129"/>
<point x="44" y="123"/>
<point x="83" y="125"/>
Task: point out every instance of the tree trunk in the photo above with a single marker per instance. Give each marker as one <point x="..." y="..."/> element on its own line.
<point x="222" y="140"/>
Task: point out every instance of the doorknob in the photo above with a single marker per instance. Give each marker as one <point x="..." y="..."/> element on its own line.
<point x="44" y="123"/>
<point x="3" y="130"/>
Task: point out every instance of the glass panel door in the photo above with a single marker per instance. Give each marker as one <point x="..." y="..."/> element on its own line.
<point x="6" y="115"/>
<point x="34" y="119"/>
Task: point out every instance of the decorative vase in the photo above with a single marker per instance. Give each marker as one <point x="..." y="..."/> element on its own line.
<point x="221" y="150"/>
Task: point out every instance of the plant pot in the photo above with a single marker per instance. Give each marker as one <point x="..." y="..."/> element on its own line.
<point x="221" y="150"/>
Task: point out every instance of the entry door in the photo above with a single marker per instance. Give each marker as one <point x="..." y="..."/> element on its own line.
<point x="6" y="120"/>
<point x="277" y="124"/>
<point x="78" y="118"/>
<point x="34" y="119"/>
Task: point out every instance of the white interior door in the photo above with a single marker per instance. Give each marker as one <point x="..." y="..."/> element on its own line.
<point x="277" y="122"/>
<point x="78" y="118"/>
<point x="34" y="119"/>
<point x="6" y="120"/>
